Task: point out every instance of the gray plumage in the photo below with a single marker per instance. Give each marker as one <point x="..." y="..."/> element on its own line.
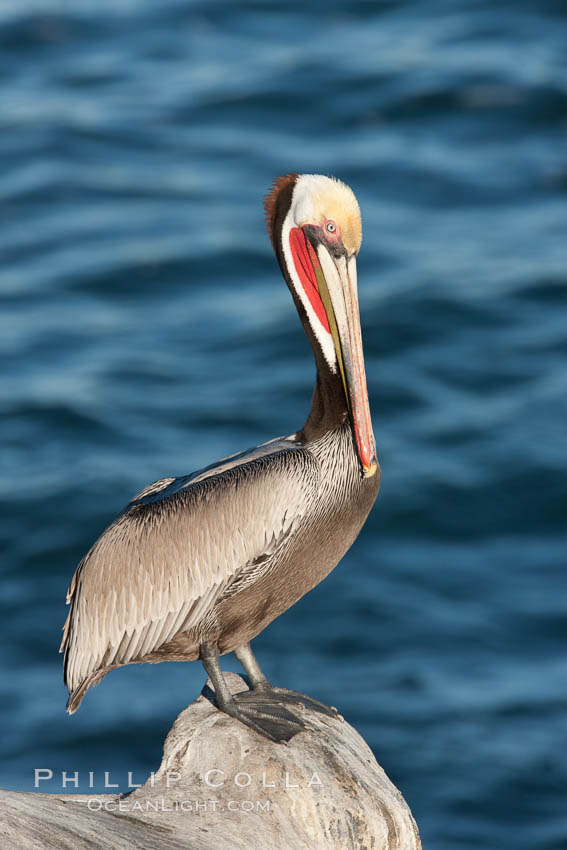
<point x="156" y="582"/>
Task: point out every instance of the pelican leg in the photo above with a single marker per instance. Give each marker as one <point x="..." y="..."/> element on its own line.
<point x="253" y="670"/>
<point x="210" y="661"/>
<point x="268" y="717"/>
<point x="259" y="682"/>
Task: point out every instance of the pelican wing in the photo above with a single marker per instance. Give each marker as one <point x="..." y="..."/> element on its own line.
<point x="158" y="569"/>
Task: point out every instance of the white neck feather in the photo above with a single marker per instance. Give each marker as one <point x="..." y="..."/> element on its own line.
<point x="322" y="335"/>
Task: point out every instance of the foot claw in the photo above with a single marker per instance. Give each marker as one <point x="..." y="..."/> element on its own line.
<point x="303" y="702"/>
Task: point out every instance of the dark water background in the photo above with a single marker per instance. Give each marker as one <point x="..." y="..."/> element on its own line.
<point x="145" y="331"/>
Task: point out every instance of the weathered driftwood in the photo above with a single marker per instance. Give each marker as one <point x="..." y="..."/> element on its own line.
<point x="223" y="787"/>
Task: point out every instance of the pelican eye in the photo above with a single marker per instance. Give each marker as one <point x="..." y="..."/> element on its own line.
<point x="331" y="227"/>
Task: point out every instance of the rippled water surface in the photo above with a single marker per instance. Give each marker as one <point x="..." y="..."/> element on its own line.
<point x="145" y="331"/>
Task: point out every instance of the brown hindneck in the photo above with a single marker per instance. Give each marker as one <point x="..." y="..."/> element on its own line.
<point x="328" y="408"/>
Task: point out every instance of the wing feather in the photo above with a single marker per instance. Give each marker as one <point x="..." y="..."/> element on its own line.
<point x="158" y="569"/>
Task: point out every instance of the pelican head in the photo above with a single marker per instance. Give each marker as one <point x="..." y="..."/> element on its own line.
<point x="315" y="226"/>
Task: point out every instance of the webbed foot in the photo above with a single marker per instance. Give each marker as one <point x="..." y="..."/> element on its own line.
<point x="263" y="711"/>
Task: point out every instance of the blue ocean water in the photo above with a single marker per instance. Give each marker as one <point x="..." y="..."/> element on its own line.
<point x="146" y="331"/>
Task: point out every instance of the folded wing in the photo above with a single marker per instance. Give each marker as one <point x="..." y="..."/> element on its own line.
<point x="158" y="569"/>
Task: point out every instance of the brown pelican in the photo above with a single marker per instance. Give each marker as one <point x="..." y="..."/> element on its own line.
<point x="195" y="567"/>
